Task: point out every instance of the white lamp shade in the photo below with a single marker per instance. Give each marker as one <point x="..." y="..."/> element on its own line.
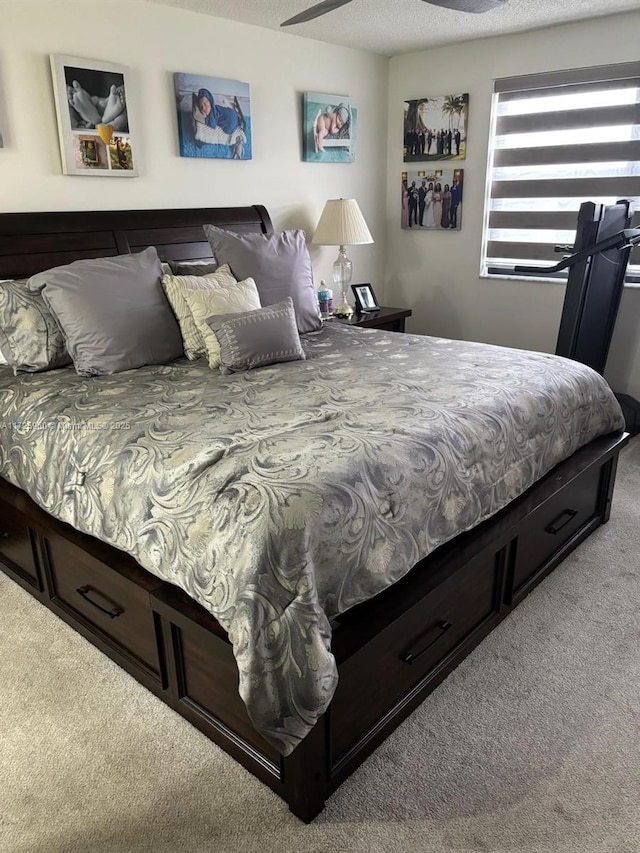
<point x="342" y="224"/>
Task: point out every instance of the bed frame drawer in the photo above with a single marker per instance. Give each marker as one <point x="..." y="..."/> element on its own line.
<point x="195" y="647"/>
<point x="17" y="546"/>
<point x="116" y="609"/>
<point x="198" y="653"/>
<point x="414" y="648"/>
<point x="551" y="528"/>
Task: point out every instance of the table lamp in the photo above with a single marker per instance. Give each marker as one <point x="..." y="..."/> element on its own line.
<point x="342" y="224"/>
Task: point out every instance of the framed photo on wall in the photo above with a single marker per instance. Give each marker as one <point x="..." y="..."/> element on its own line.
<point x="2" y="117"/>
<point x="435" y="128"/>
<point x="214" y="117"/>
<point x="94" y="119"/>
<point x="329" y="128"/>
<point x="432" y="199"/>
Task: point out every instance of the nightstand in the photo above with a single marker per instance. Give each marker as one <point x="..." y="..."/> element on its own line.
<point x="391" y="319"/>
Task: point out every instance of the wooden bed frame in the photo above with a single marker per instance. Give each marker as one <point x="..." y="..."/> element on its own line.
<point x="391" y="651"/>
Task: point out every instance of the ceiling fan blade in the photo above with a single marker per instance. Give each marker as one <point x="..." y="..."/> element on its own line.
<point x="475" y="6"/>
<point x="315" y="12"/>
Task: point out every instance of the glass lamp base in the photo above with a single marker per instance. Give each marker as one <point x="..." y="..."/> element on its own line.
<point x="342" y="277"/>
<point x="343" y="309"/>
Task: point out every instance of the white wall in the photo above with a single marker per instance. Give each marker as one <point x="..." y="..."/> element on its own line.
<point x="155" y="41"/>
<point x="434" y="274"/>
<point x="437" y="274"/>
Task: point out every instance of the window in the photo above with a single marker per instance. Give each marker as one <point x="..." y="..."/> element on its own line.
<point x="559" y="139"/>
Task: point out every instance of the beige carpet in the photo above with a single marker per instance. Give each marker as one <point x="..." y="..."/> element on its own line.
<point x="532" y="744"/>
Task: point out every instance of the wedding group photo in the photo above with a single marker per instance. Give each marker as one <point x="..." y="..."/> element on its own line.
<point x="432" y="199"/>
<point x="435" y="128"/>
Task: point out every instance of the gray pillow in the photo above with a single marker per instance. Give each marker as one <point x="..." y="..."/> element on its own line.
<point x="30" y="339"/>
<point x="112" y="311"/>
<point x="255" y="338"/>
<point x="278" y="263"/>
<point x="193" y="267"/>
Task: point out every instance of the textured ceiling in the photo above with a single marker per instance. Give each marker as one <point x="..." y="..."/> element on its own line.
<point x="401" y="26"/>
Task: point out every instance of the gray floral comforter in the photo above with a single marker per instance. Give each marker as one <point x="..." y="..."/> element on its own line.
<point x="283" y="496"/>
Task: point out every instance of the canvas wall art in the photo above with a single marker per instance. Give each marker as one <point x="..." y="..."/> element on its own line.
<point x="94" y="117"/>
<point x="432" y="199"/>
<point x="435" y="128"/>
<point x="2" y="117"/>
<point x="329" y="128"/>
<point x="214" y="117"/>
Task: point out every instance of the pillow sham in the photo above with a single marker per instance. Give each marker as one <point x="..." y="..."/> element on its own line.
<point x="30" y="339"/>
<point x="278" y="263"/>
<point x="257" y="338"/>
<point x="174" y="287"/>
<point x="193" y="267"/>
<point x="112" y="311"/>
<point x="222" y="295"/>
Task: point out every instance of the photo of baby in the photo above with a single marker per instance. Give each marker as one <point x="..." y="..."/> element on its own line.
<point x="96" y="97"/>
<point x="329" y="128"/>
<point x="90" y="152"/>
<point x="94" y="124"/>
<point x="214" y="117"/>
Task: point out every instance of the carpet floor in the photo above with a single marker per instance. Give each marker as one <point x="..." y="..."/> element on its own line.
<point x="532" y="745"/>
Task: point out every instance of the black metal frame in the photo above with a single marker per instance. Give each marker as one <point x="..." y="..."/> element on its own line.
<point x="597" y="267"/>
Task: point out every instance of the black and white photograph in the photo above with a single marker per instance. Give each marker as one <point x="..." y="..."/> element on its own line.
<point x="92" y="102"/>
<point x="435" y="128"/>
<point x="96" y="97"/>
<point x="432" y="199"/>
<point x="365" y="297"/>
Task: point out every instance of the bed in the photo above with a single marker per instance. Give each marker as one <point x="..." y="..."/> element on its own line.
<point x="393" y="635"/>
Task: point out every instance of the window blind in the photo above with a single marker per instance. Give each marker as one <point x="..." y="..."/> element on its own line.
<point x="559" y="139"/>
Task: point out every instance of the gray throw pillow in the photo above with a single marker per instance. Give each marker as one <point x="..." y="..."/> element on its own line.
<point x="256" y="338"/>
<point x="112" y="311"/>
<point x="193" y="267"/>
<point x="30" y="339"/>
<point x="278" y="263"/>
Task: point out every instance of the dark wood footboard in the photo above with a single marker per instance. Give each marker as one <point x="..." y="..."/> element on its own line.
<point x="391" y="651"/>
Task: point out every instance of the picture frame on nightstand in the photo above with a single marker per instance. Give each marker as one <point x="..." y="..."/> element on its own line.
<point x="365" y="298"/>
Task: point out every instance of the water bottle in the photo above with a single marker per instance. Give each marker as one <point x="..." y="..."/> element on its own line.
<point x="325" y="300"/>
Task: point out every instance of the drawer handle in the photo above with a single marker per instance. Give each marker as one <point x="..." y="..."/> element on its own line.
<point x="561" y="521"/>
<point x="441" y="630"/>
<point x="113" y="613"/>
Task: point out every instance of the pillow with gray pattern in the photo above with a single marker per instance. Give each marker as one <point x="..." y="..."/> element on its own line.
<point x="30" y="338"/>
<point x="192" y="267"/>
<point x="257" y="338"/>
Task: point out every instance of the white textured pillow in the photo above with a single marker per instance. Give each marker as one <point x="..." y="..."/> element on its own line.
<point x="222" y="295"/>
<point x="174" y="287"/>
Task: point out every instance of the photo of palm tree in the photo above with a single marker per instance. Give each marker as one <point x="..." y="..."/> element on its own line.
<point x="435" y="128"/>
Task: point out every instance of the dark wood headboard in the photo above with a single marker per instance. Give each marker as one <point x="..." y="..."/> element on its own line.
<point x="32" y="242"/>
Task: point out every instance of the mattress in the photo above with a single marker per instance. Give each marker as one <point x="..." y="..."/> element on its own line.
<point x="281" y="497"/>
